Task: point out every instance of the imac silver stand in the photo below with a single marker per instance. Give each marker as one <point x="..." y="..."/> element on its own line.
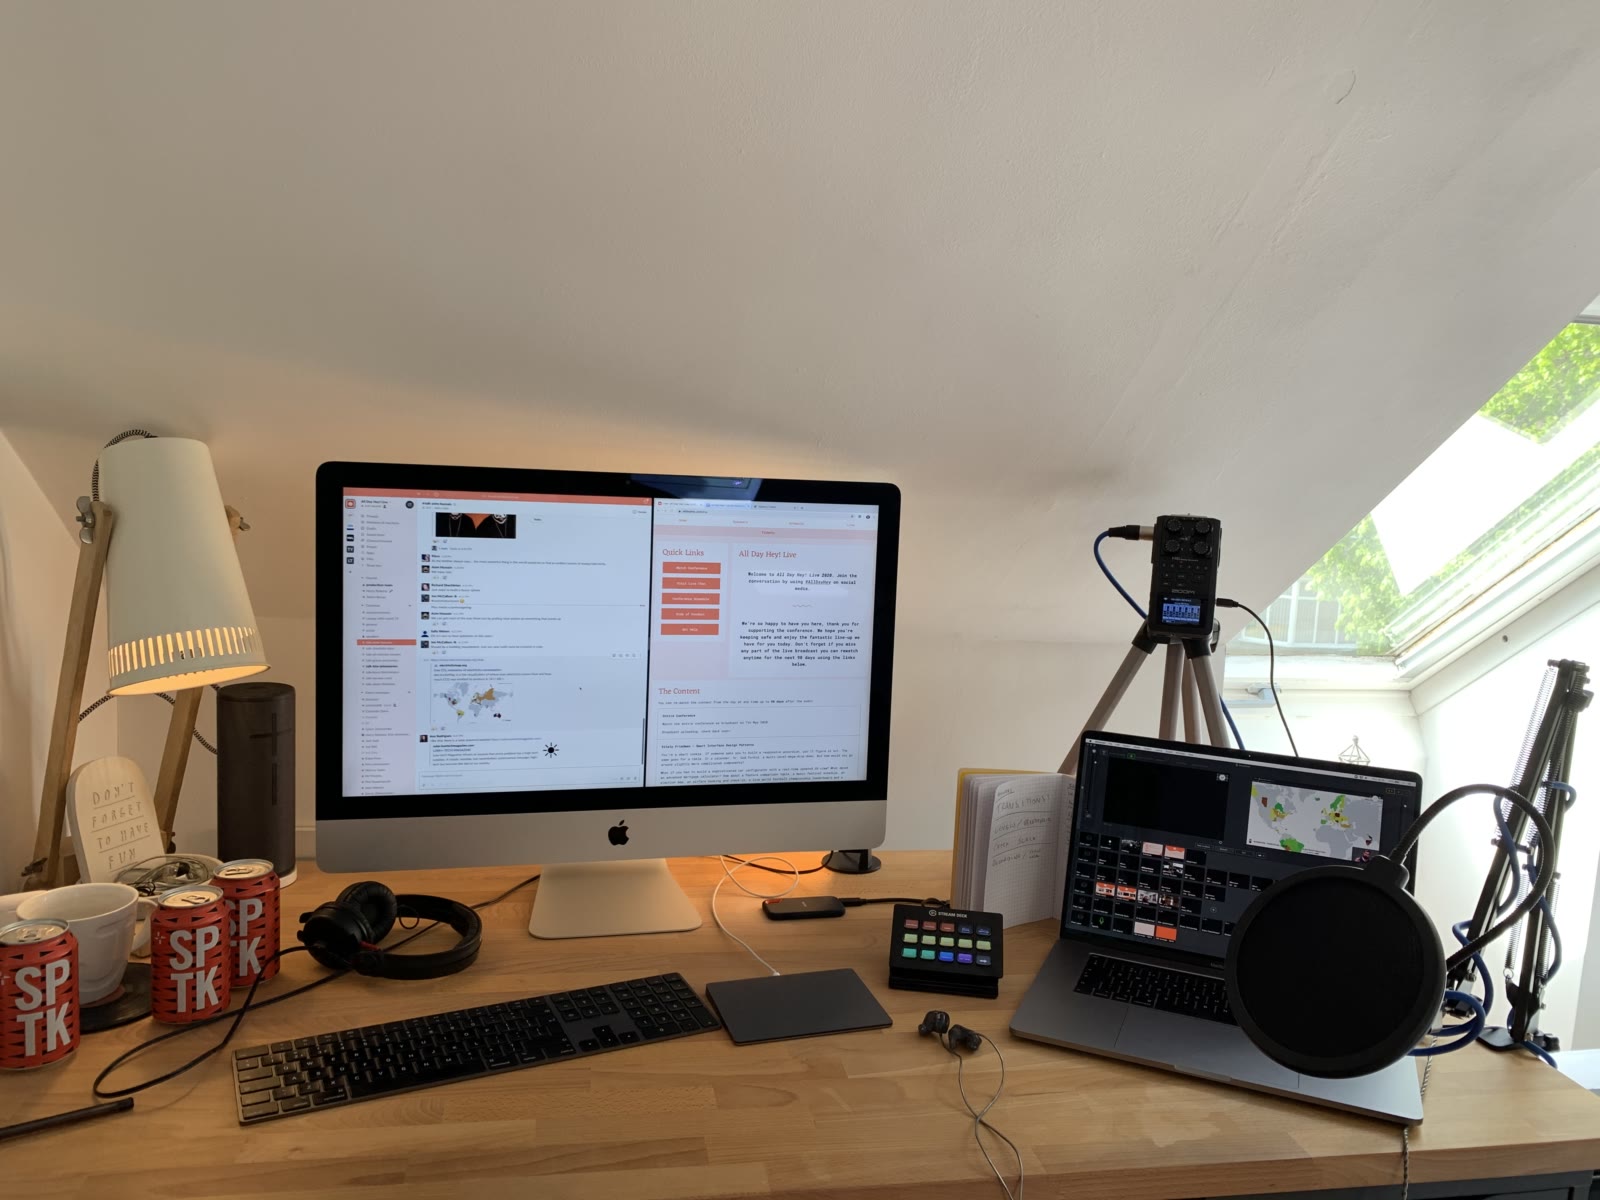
<point x="603" y="899"/>
<point x="1187" y="686"/>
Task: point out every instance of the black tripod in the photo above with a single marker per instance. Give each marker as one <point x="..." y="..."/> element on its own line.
<point x="1542" y="772"/>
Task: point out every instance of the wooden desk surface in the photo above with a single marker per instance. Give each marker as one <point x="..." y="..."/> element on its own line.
<point x="861" y="1114"/>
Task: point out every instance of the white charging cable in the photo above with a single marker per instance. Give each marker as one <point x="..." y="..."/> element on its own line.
<point x="722" y="859"/>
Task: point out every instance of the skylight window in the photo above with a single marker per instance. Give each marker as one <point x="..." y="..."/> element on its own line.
<point x="1519" y="481"/>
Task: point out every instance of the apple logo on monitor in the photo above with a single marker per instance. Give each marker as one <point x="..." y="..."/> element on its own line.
<point x="618" y="834"/>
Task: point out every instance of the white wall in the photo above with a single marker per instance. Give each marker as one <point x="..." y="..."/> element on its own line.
<point x="1586" y="1029"/>
<point x="1474" y="716"/>
<point x="37" y="560"/>
<point x="1325" y="722"/>
<point x="968" y="702"/>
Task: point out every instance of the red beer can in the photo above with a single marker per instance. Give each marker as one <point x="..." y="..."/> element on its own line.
<point x="38" y="993"/>
<point x="191" y="967"/>
<point x="250" y="890"/>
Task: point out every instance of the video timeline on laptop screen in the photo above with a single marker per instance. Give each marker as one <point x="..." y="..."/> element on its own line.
<point x="1170" y="846"/>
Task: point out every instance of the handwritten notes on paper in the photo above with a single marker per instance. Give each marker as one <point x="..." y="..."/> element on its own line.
<point x="1026" y="871"/>
<point x="1011" y="843"/>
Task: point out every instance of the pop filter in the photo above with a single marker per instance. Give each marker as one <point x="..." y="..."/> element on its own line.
<point x="1337" y="971"/>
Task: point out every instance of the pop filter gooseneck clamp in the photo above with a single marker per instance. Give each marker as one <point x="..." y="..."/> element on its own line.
<point x="1355" y="937"/>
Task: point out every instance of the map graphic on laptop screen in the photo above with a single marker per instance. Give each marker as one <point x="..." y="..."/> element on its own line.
<point x="1305" y="821"/>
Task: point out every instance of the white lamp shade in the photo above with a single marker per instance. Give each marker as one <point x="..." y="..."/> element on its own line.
<point x="177" y="612"/>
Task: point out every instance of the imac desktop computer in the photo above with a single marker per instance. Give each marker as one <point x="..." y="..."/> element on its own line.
<point x="591" y="671"/>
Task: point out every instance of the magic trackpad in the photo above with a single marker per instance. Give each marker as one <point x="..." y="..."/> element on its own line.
<point x="1207" y="1047"/>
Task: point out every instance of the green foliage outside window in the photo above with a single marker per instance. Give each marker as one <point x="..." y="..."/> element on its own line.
<point x="1357" y="574"/>
<point x="1560" y="383"/>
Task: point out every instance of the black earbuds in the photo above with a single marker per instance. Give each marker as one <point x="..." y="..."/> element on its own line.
<point x="938" y="1024"/>
<point x="967" y="1039"/>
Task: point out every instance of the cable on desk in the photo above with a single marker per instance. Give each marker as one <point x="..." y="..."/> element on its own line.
<point x="752" y="862"/>
<point x="858" y="901"/>
<point x="980" y="1120"/>
<point x="237" y="1016"/>
<point x="722" y="860"/>
<point x="1405" y="1136"/>
<point x="250" y="1005"/>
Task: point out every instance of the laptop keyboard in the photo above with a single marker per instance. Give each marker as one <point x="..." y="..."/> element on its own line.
<point x="1173" y="991"/>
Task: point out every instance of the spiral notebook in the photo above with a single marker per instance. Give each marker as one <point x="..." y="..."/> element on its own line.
<point x="1012" y="830"/>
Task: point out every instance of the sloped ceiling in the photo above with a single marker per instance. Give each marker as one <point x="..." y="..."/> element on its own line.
<point x="1050" y="266"/>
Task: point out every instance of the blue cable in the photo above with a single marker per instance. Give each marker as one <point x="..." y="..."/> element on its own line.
<point x="1555" y="939"/>
<point x="1121" y="591"/>
<point x="1460" y="930"/>
<point x="1539" y="1052"/>
<point x="1134" y="604"/>
<point x="1231" y="725"/>
<point x="1464" y="1035"/>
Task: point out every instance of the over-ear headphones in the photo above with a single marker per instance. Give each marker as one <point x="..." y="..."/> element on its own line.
<point x="344" y="933"/>
<point x="1353" y="936"/>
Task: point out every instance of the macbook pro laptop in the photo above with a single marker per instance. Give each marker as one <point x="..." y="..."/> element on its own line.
<point x="1170" y="843"/>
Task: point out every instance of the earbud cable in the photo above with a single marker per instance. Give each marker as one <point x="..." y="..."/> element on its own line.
<point x="980" y="1116"/>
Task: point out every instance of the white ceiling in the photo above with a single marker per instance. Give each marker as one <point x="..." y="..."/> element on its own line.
<point x="1050" y="266"/>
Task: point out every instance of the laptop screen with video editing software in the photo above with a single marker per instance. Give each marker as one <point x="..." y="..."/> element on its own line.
<point x="1172" y="842"/>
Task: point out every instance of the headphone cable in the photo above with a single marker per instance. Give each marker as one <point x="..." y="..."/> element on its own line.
<point x="250" y="1005"/>
<point x="980" y="1119"/>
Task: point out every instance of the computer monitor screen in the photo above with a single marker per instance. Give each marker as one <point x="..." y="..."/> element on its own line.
<point x="1172" y="842"/>
<point x="518" y="644"/>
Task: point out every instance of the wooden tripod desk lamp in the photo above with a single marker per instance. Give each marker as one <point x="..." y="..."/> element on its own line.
<point x="178" y="616"/>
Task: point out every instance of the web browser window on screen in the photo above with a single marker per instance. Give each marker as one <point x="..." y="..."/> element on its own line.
<point x="499" y="641"/>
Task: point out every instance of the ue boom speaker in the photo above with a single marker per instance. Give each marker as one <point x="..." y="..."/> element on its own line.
<point x="1336" y="971"/>
<point x="255" y="774"/>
